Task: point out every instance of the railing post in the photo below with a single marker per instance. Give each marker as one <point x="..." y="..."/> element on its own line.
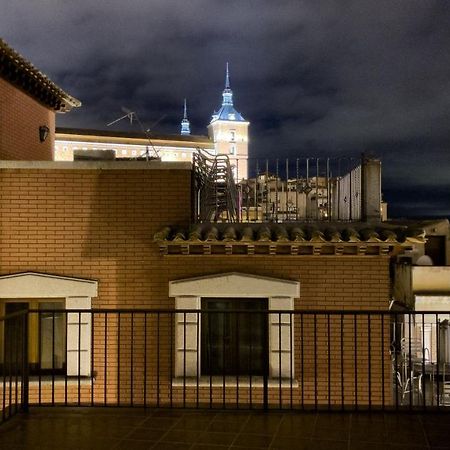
<point x="25" y="366"/>
<point x="266" y="365"/>
<point x="370" y="189"/>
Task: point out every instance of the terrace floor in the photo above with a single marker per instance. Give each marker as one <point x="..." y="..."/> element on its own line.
<point x="139" y="429"/>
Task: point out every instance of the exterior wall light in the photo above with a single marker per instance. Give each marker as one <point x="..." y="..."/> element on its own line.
<point x="43" y="132"/>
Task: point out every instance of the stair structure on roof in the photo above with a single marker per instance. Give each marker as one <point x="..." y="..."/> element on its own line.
<point x="216" y="193"/>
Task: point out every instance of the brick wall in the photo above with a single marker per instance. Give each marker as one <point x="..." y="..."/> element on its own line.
<point x="99" y="224"/>
<point x="20" y="118"/>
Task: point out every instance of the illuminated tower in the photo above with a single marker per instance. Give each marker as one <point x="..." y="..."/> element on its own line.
<point x="185" y="125"/>
<point x="229" y="132"/>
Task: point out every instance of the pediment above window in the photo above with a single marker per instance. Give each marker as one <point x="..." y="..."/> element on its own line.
<point x="234" y="284"/>
<point x="43" y="285"/>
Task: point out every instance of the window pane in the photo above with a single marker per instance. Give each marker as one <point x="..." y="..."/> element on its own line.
<point x="13" y="336"/>
<point x="53" y="332"/>
<point x="234" y="343"/>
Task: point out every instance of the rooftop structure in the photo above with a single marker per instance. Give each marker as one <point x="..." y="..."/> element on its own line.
<point x="20" y="72"/>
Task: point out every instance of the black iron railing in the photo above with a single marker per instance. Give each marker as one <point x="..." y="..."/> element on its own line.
<point x="280" y="190"/>
<point x="14" y="365"/>
<point x="219" y="357"/>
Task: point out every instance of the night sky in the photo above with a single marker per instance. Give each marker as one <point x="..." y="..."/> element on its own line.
<point x="314" y="77"/>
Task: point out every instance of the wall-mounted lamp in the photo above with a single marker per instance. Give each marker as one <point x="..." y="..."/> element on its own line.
<point x="43" y="132"/>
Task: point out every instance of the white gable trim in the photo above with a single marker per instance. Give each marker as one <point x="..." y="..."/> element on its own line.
<point x="42" y="285"/>
<point x="234" y="284"/>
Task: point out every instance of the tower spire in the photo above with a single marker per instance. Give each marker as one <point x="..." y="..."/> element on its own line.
<point x="227" y="94"/>
<point x="185" y="110"/>
<point x="185" y="125"/>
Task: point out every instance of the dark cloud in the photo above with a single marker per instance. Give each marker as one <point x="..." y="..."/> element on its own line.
<point x="313" y="76"/>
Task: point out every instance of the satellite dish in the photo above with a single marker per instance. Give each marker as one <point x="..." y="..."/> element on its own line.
<point x="424" y="260"/>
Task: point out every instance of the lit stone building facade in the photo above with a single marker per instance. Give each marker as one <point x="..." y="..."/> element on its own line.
<point x="228" y="135"/>
<point x="72" y="144"/>
<point x="229" y="132"/>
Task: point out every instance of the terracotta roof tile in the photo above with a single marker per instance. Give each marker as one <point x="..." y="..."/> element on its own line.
<point x="293" y="232"/>
<point x="21" y="73"/>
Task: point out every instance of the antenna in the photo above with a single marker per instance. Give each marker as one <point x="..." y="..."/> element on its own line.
<point x="133" y="115"/>
<point x="129" y="115"/>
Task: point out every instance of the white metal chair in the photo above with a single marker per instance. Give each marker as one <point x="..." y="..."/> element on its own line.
<point x="445" y="394"/>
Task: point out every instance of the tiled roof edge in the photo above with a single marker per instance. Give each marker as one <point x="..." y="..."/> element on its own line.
<point x="21" y="73"/>
<point x="290" y="233"/>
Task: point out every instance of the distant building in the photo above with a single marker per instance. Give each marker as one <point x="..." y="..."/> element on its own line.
<point x="229" y="131"/>
<point x="228" y="135"/>
<point x="73" y="143"/>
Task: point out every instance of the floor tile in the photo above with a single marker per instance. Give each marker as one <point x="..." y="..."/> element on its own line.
<point x="373" y="433"/>
<point x="283" y="442"/>
<point x="262" y="424"/>
<point x="209" y="447"/>
<point x="171" y="446"/>
<point x="253" y="440"/>
<point x="331" y="433"/>
<point x="193" y="423"/>
<point x="181" y="436"/>
<point x="216" y="438"/>
<point x="361" y="445"/>
<point x="333" y="420"/>
<point x="226" y="427"/>
<point x="129" y="444"/>
<point x="146" y="434"/>
<point x="159" y="423"/>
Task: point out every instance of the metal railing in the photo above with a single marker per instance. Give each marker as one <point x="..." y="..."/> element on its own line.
<point x="226" y="358"/>
<point x="14" y="365"/>
<point x="283" y="190"/>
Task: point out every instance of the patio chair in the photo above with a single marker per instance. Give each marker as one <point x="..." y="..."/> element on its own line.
<point x="409" y="384"/>
<point x="445" y="395"/>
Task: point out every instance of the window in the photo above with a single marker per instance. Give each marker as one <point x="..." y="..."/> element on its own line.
<point x="46" y="336"/>
<point x="234" y="343"/>
<point x="203" y="342"/>
<point x="232" y="135"/>
<point x="54" y="344"/>
<point x="232" y="149"/>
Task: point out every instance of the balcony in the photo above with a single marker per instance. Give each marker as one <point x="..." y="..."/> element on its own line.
<point x="225" y="356"/>
<point x="189" y="378"/>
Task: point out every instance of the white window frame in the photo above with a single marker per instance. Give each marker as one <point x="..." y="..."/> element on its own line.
<point x="188" y="294"/>
<point x="77" y="293"/>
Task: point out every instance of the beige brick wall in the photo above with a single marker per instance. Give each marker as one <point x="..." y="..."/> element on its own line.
<point x="20" y="119"/>
<point x="99" y="224"/>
